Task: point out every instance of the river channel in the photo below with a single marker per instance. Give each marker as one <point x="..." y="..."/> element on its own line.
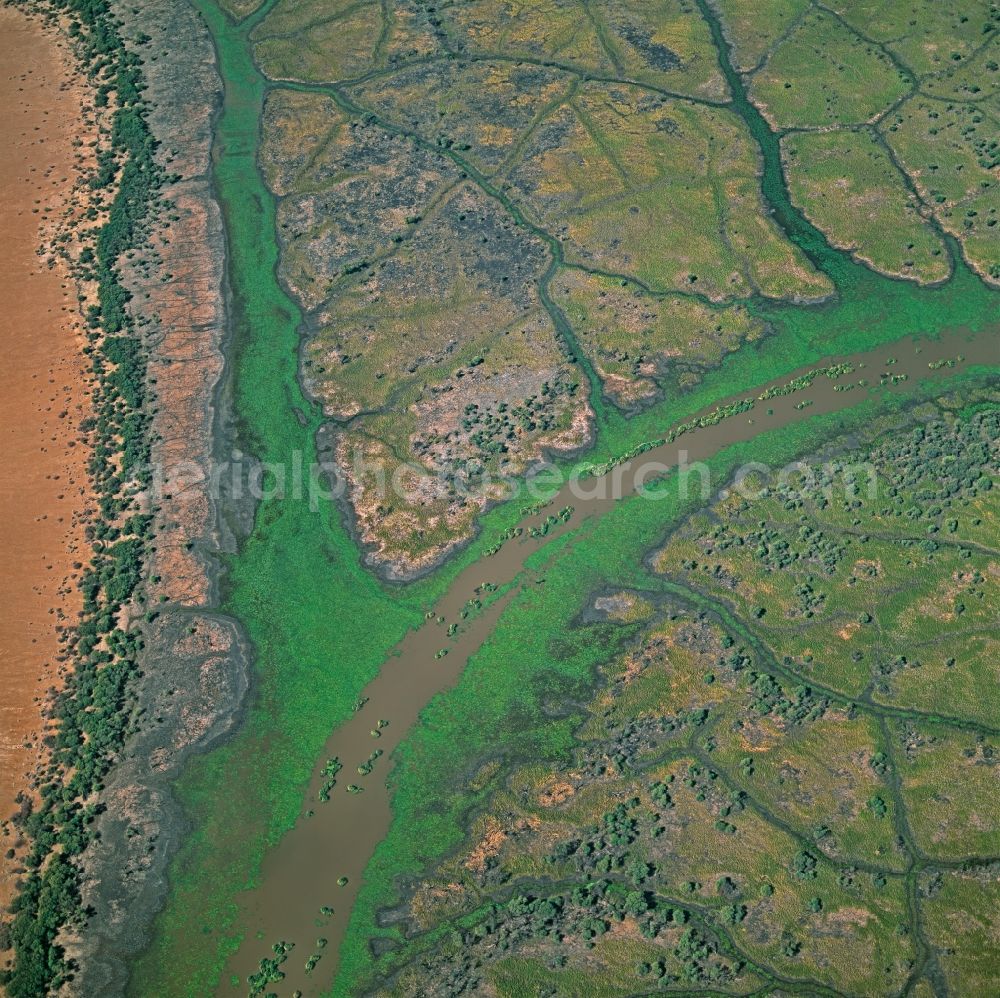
<point x="334" y="839"/>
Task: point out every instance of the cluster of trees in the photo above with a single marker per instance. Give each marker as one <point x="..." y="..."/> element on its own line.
<point x="776" y="548"/>
<point x="582" y="914"/>
<point x="796" y="707"/>
<point x="269" y="970"/>
<point x="93" y="712"/>
<point x="492" y="430"/>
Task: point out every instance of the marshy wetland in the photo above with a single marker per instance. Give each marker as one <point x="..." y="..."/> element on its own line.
<point x="628" y="734"/>
<point x="318" y="644"/>
<point x="347" y="806"/>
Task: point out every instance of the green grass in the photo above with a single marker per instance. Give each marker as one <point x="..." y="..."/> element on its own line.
<point x="637" y="342"/>
<point x="824" y="74"/>
<point x="754" y="27"/>
<point x="962" y="923"/>
<point x="948" y="784"/>
<point x="306" y="41"/>
<point x="932" y="38"/>
<point x="624" y="178"/>
<point x="816" y="775"/>
<point x="950" y="151"/>
<point x="847" y="184"/>
<point x="874" y="596"/>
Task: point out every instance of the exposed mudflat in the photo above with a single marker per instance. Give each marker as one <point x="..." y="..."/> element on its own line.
<point x="44" y="393"/>
<point x="195" y="670"/>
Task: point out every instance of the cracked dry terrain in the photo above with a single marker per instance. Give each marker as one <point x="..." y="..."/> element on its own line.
<point x="498" y="218"/>
<point x="767" y="790"/>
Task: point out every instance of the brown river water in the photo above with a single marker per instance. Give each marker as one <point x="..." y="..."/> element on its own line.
<point x="300" y="875"/>
<point x="43" y="393"/>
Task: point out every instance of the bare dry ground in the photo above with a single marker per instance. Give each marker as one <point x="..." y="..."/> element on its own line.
<point x="195" y="669"/>
<point x="44" y="394"/>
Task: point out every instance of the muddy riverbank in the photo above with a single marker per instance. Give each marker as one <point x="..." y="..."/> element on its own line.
<point x="195" y="664"/>
<point x="44" y="394"/>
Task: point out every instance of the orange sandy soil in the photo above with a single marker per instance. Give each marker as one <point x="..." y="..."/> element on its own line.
<point x="44" y="394"/>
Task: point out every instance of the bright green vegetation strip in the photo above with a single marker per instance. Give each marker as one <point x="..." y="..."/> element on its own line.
<point x="321" y="625"/>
